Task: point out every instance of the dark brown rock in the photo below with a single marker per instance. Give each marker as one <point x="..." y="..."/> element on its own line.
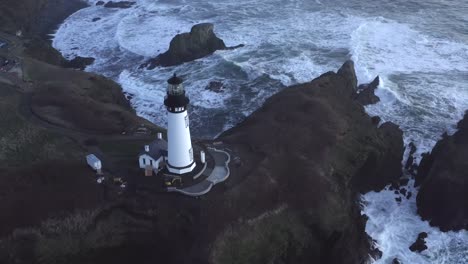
<point x="215" y="86"/>
<point x="121" y="4"/>
<point x="327" y="145"/>
<point x="403" y="191"/>
<point x="420" y="244"/>
<point x="376" y="120"/>
<point x="403" y="181"/>
<point x="408" y="196"/>
<point x="410" y="160"/>
<point x="79" y="63"/>
<point x="443" y="175"/>
<point x="347" y="71"/>
<point x="366" y="93"/>
<point x="386" y="161"/>
<point x="201" y="41"/>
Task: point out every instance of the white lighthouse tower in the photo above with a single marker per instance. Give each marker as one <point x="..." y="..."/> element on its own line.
<point x="180" y="152"/>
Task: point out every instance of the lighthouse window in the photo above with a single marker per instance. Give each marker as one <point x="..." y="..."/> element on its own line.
<point x="191" y="154"/>
<point x="186" y="121"/>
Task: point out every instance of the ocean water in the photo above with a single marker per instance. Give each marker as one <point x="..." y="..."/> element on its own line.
<point x="418" y="48"/>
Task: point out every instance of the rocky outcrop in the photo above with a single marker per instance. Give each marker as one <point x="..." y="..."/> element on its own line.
<point x="386" y="163"/>
<point x="201" y="41"/>
<point x="443" y="176"/>
<point x="79" y="62"/>
<point x="121" y="4"/>
<point x="420" y="244"/>
<point x="215" y="86"/>
<point x="349" y="74"/>
<point x="325" y="151"/>
<point x="410" y="164"/>
<point x="366" y="93"/>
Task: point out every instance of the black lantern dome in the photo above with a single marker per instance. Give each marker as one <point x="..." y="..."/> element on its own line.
<point x="175" y="100"/>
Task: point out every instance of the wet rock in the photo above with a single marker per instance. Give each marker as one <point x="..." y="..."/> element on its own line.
<point x="390" y="159"/>
<point x="366" y="93"/>
<point x="443" y="176"/>
<point x="376" y="120"/>
<point x="201" y="41"/>
<point x="403" y="181"/>
<point x="79" y="63"/>
<point x="396" y="192"/>
<point x="398" y="199"/>
<point x="424" y="168"/>
<point x="215" y="86"/>
<point x="409" y="195"/>
<point x="420" y="244"/>
<point x="96" y="19"/>
<point x="396" y="261"/>
<point x="122" y="4"/>
<point x="100" y="3"/>
<point x="375" y="252"/>
<point x="403" y="191"/>
<point x="410" y="165"/>
<point x="349" y="74"/>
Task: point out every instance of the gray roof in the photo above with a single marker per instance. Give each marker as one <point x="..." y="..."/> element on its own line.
<point x="157" y="149"/>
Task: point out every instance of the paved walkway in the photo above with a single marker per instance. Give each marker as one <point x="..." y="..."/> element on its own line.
<point x="219" y="174"/>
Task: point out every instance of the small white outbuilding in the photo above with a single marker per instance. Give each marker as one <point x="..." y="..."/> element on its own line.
<point x="94" y="162"/>
<point x="154" y="156"/>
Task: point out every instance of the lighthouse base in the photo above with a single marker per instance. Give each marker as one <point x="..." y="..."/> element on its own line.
<point x="181" y="170"/>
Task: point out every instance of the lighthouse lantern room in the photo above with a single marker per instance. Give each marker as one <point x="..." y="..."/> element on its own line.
<point x="180" y="158"/>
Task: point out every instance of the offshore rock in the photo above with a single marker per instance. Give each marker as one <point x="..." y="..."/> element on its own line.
<point x="122" y="4"/>
<point x="420" y="244"/>
<point x="366" y="95"/>
<point x="201" y="41"/>
<point x="443" y="176"/>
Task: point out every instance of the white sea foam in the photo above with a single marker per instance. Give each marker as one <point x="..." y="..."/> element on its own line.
<point x="148" y="34"/>
<point x="382" y="46"/>
<point x="396" y="225"/>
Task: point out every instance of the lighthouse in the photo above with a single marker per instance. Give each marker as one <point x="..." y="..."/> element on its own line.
<point x="180" y="152"/>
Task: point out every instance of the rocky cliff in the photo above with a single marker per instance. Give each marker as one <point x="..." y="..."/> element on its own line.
<point x="311" y="149"/>
<point x="443" y="176"/>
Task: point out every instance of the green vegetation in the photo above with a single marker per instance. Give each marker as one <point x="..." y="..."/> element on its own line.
<point x="23" y="143"/>
<point x="273" y="238"/>
<point x="74" y="238"/>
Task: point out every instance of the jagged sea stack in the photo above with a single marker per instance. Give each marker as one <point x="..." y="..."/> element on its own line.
<point x="180" y="152"/>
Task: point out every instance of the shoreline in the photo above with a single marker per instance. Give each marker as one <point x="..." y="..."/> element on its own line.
<point x="57" y="13"/>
